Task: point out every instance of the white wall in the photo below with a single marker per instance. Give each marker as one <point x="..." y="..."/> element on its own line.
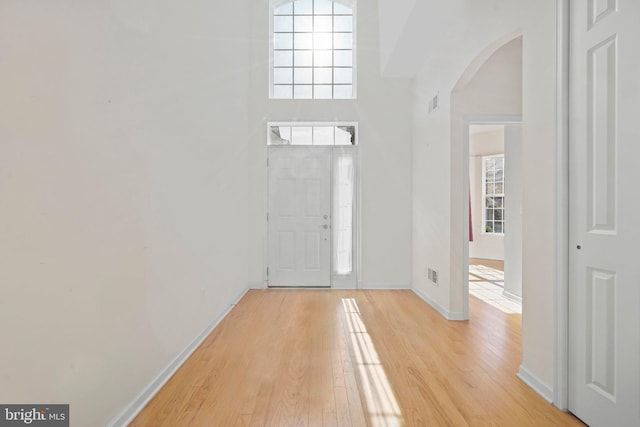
<point x="487" y="143"/>
<point x="411" y="31"/>
<point x="439" y="165"/>
<point x="539" y="189"/>
<point x="123" y="192"/>
<point x="383" y="111"/>
<point x="398" y="14"/>
<point x="438" y="228"/>
<point x="495" y="90"/>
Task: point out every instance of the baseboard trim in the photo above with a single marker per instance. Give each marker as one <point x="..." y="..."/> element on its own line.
<point x="511" y="296"/>
<point x="536" y="384"/>
<point x="383" y="286"/>
<point x="258" y="285"/>
<point x="140" y="401"/>
<point x="449" y="315"/>
<point x="456" y="316"/>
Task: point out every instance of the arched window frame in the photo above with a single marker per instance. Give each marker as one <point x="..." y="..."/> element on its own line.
<point x="300" y="70"/>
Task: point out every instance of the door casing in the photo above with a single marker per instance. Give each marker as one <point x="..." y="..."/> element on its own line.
<point x="357" y="225"/>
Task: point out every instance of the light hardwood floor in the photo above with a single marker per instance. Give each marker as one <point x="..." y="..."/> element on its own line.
<point x="498" y="265"/>
<point x="353" y="358"/>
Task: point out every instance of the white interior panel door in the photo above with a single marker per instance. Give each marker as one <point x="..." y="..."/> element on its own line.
<point x="604" y="322"/>
<point x="300" y="216"/>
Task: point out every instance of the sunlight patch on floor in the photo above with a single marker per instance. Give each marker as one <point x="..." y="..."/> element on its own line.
<point x="382" y="405"/>
<point x="487" y="283"/>
<point x="483" y="272"/>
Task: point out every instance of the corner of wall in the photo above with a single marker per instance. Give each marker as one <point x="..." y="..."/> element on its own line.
<point x="536" y="384"/>
<point x="128" y="414"/>
<point x="449" y="315"/>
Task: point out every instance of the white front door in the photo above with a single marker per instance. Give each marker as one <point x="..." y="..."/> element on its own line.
<point x="299" y="216"/>
<point x="604" y="322"/>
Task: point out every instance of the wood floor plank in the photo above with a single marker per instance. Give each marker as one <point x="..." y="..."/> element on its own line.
<point x="353" y="358"/>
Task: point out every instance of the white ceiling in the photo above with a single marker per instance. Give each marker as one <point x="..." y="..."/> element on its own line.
<point x="419" y="33"/>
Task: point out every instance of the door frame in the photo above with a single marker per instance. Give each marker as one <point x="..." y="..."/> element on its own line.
<point x="357" y="226"/>
<point x="505" y="120"/>
<point x="562" y="273"/>
<point x="562" y="212"/>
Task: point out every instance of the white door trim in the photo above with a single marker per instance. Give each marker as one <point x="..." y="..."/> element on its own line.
<point x="357" y="241"/>
<point x="561" y="309"/>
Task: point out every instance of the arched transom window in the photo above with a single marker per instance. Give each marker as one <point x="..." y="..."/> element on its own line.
<point x="312" y="49"/>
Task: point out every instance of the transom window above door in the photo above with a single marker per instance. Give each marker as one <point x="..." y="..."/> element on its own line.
<point x="312" y="134"/>
<point x="312" y="49"/>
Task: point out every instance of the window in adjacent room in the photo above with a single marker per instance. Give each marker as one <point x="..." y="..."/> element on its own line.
<point x="493" y="194"/>
<point x="312" y="49"/>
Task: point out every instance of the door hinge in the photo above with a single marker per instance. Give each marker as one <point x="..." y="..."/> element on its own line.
<point x="267" y="272"/>
<point x="267" y="162"/>
<point x="267" y="216"/>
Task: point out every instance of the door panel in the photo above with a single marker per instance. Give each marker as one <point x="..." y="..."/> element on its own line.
<point x="300" y="216"/>
<point x="604" y="347"/>
<point x="286" y="254"/>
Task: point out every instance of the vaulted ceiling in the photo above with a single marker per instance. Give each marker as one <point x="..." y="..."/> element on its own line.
<point x="412" y="29"/>
<point x="418" y="32"/>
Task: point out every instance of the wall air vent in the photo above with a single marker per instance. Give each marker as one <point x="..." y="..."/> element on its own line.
<point x="433" y="104"/>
